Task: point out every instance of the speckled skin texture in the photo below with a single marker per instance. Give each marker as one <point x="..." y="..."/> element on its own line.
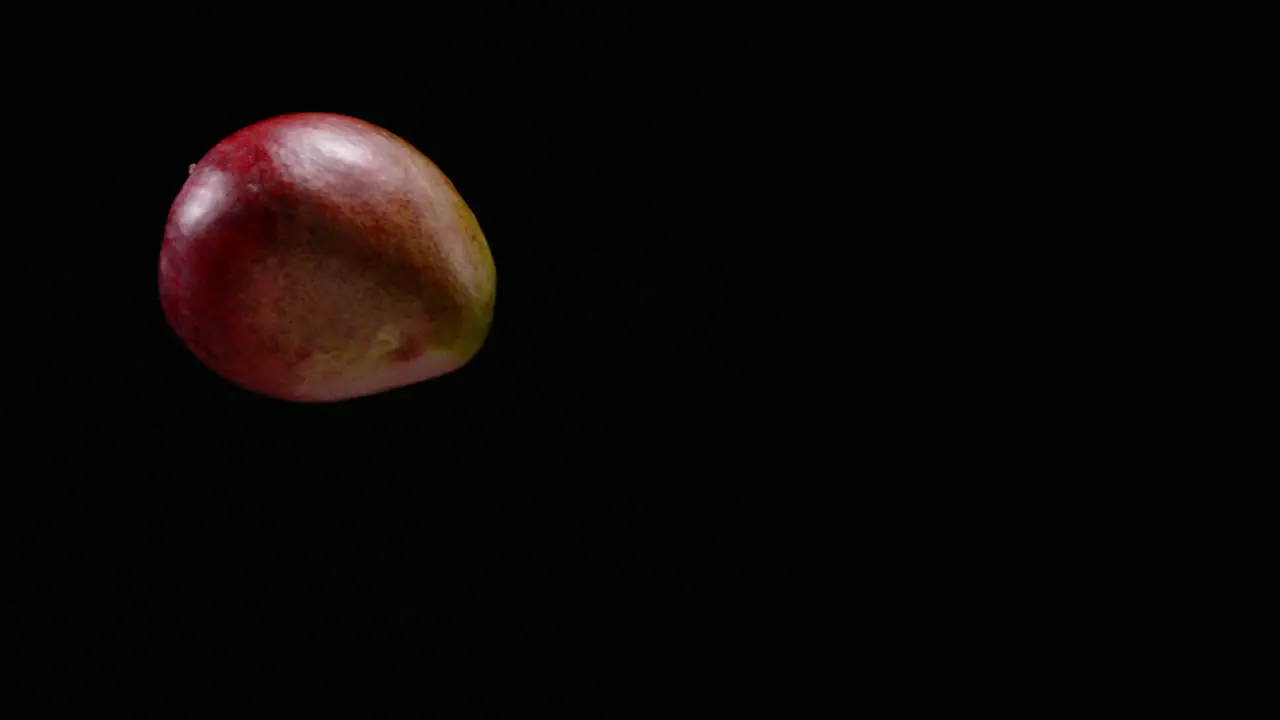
<point x="316" y="258"/>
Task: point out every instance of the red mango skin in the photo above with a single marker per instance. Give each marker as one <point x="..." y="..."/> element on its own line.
<point x="316" y="258"/>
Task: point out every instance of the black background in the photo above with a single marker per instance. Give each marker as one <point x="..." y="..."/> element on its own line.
<point x="793" y="400"/>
